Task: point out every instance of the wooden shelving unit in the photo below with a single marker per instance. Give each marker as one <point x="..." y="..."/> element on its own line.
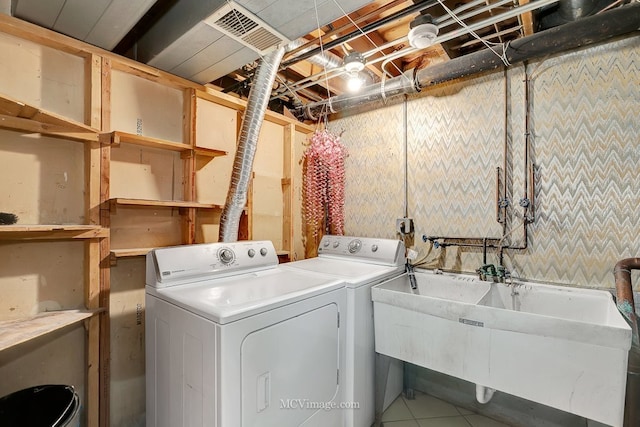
<point x="22" y="117"/>
<point x="15" y="332"/>
<point x="161" y="203"/>
<point x="117" y="137"/>
<point x="52" y="232"/>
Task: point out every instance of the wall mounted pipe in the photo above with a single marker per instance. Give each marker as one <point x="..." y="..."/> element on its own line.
<point x="584" y="32"/>
<point x="625" y="303"/>
<point x="247" y="144"/>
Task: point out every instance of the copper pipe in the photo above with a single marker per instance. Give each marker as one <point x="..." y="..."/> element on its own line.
<point x="622" y="275"/>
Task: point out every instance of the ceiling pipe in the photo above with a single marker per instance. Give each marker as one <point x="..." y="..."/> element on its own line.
<point x="359" y="32"/>
<point x="573" y="35"/>
<point x="355" y="22"/>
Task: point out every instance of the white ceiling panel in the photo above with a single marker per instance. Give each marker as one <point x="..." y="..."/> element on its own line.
<point x="222" y="48"/>
<point x="117" y="20"/>
<point x="78" y="17"/>
<point x="39" y="12"/>
<point x="192" y="42"/>
<point x="221" y="68"/>
<point x="100" y="22"/>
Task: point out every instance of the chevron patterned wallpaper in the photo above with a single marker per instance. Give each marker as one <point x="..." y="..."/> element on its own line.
<point x="585" y="145"/>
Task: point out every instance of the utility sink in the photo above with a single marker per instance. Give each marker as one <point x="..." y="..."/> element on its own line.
<point x="560" y="346"/>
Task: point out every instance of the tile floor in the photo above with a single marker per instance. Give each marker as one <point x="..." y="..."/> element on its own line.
<point x="428" y="411"/>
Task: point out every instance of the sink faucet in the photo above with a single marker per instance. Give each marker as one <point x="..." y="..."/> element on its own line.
<point x="412" y="277"/>
<point x="492" y="273"/>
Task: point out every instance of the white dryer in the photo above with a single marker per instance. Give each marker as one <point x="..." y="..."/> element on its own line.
<point x="361" y="262"/>
<point x="234" y="340"/>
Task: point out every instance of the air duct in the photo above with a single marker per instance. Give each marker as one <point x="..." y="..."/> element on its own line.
<point x="247" y="144"/>
<point x="585" y="32"/>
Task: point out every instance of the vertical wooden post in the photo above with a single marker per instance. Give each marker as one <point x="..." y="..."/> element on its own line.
<point x="93" y="99"/>
<point x="288" y="167"/>
<point x="105" y="247"/>
<point x="189" y="137"/>
<point x="246" y="220"/>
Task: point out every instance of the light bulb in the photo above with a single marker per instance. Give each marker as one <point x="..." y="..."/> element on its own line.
<point x="355" y="82"/>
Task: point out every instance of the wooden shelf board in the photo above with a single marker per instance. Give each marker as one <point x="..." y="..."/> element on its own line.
<point x="209" y="152"/>
<point x="14" y="332"/>
<point x="52" y="232"/>
<point x="129" y="252"/>
<point x="117" y="137"/>
<point x="29" y="126"/>
<point x="27" y="117"/>
<point x="162" y="203"/>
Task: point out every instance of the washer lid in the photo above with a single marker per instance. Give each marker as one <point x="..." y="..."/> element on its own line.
<point x="354" y="273"/>
<point x="233" y="298"/>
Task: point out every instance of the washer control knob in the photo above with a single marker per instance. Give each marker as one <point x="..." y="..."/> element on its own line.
<point x="226" y="255"/>
<point x="374" y="248"/>
<point x="355" y="246"/>
<point x="251" y="253"/>
<point x="326" y="244"/>
<point x="263" y="251"/>
<point x="336" y="244"/>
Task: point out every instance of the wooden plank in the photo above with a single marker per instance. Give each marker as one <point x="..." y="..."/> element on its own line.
<point x="288" y="167"/>
<point x="52" y="232"/>
<point x="104" y="355"/>
<point x="14" y="108"/>
<point x="14" y="332"/>
<point x="93" y="91"/>
<point x="162" y="203"/>
<point x="93" y="117"/>
<point x="209" y="152"/>
<point x="129" y="252"/>
<point x="118" y="137"/>
<point x="526" y="19"/>
<point x="30" y="126"/>
<point x="189" y="178"/>
<point x="93" y="371"/>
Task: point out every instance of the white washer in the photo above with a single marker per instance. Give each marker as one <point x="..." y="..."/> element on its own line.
<point x="232" y="339"/>
<point x="361" y="262"/>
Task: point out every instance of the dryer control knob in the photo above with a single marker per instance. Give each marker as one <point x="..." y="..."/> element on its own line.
<point x="326" y="244"/>
<point x="354" y="246"/>
<point x="263" y="251"/>
<point x="251" y="253"/>
<point x="336" y="244"/>
<point x="374" y="248"/>
<point x="226" y="255"/>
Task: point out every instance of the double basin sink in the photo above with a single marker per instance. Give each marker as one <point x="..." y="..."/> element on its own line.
<point x="560" y="346"/>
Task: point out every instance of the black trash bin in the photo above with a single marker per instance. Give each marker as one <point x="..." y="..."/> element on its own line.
<point x="49" y="405"/>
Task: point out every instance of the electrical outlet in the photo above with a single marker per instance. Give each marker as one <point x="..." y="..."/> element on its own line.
<point x="404" y="226"/>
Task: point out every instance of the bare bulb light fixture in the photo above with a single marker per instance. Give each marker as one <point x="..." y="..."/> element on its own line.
<point x="423" y="32"/>
<point x="353" y="64"/>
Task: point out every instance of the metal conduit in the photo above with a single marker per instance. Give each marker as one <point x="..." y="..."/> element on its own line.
<point x="364" y="30"/>
<point x="585" y="32"/>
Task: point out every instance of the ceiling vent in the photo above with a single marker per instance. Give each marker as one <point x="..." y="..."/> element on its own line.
<point x="246" y="28"/>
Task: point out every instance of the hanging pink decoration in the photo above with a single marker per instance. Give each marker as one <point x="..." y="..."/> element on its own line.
<point x="323" y="183"/>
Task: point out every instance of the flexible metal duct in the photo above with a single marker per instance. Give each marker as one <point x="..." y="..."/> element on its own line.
<point x="584" y="32"/>
<point x="324" y="59"/>
<point x="247" y="144"/>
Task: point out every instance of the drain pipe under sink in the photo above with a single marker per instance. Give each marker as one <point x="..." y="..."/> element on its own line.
<point x="625" y="303"/>
<point x="484" y="394"/>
